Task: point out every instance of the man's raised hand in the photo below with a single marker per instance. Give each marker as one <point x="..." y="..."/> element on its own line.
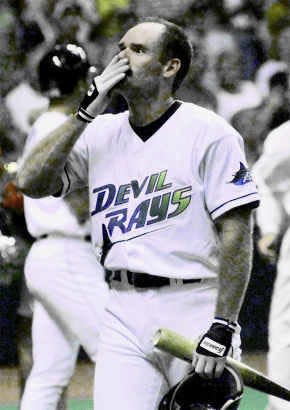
<point x="97" y="96"/>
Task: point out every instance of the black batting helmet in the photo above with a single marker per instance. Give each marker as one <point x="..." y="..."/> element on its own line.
<point x="196" y="393"/>
<point x="61" y="68"/>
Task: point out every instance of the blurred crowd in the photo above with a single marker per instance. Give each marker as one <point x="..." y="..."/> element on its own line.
<point x="240" y="70"/>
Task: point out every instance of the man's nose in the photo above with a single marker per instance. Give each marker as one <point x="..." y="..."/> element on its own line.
<point x="123" y="53"/>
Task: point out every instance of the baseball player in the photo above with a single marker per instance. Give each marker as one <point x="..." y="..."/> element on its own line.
<point x="273" y="178"/>
<point x="170" y="203"/>
<point x="62" y="273"/>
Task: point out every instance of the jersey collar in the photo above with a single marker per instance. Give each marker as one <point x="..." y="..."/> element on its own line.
<point x="148" y="130"/>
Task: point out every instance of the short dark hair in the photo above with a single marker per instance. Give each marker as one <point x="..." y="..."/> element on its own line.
<point x="175" y="44"/>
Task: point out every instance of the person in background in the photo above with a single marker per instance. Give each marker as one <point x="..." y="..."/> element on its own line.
<point x="273" y="178"/>
<point x="233" y="93"/>
<point x="256" y="123"/>
<point x="62" y="274"/>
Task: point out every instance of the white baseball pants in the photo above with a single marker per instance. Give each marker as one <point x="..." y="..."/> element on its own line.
<point x="129" y="373"/>
<point x="279" y="327"/>
<point x="68" y="287"/>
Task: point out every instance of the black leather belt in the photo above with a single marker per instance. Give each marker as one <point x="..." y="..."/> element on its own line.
<point x="144" y="280"/>
<point x="86" y="238"/>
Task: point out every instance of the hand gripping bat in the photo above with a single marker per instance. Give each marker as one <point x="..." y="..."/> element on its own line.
<point x="181" y="347"/>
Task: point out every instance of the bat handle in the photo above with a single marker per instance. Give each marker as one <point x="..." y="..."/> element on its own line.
<point x="182" y="347"/>
<point x="174" y="343"/>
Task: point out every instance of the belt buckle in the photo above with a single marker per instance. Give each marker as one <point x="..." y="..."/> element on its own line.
<point x="176" y="283"/>
<point x="115" y="275"/>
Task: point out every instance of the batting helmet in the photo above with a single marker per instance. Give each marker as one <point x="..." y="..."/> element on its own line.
<point x="61" y="68"/>
<point x="196" y="393"/>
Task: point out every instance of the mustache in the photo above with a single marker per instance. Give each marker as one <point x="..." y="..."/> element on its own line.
<point x="129" y="73"/>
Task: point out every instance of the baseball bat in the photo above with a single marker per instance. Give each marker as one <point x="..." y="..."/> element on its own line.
<point x="182" y="347"/>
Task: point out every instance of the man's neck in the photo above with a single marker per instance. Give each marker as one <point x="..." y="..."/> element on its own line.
<point x="143" y="112"/>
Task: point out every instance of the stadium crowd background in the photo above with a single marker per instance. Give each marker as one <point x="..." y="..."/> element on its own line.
<point x="240" y="70"/>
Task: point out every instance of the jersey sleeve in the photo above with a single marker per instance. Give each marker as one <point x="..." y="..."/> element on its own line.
<point x="75" y="173"/>
<point x="227" y="181"/>
<point x="92" y="143"/>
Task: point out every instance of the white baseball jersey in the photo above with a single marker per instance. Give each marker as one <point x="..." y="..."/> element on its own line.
<point x="272" y="173"/>
<point x="50" y="215"/>
<point x="21" y="101"/>
<point x="157" y="200"/>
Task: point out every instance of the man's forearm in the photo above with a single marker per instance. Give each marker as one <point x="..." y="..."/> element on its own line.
<point x="235" y="232"/>
<point x="40" y="172"/>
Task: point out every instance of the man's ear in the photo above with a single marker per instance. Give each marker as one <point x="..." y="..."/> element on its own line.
<point x="171" y="67"/>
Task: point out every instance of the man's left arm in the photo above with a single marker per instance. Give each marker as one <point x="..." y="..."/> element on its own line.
<point x="235" y="230"/>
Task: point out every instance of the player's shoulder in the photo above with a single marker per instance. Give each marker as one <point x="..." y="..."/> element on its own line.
<point x="276" y="148"/>
<point x="211" y="126"/>
<point x="278" y="138"/>
<point x="49" y="119"/>
<point x="44" y="124"/>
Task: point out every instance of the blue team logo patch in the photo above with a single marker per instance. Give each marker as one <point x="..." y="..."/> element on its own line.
<point x="242" y="176"/>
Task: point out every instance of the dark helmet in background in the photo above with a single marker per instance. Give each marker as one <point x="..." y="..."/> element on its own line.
<point x="61" y="68"/>
<point x="196" y="393"/>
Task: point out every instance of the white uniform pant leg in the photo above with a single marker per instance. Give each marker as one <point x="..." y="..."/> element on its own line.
<point x="125" y="375"/>
<point x="279" y="332"/>
<point x="64" y="275"/>
<point x="54" y="358"/>
<point x="130" y="374"/>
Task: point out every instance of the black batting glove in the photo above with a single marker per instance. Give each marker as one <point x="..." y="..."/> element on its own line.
<point x="83" y="113"/>
<point x="209" y="356"/>
<point x="217" y="341"/>
<point x="97" y="97"/>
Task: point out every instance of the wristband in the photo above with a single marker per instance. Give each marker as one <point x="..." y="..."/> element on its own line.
<point x="232" y="325"/>
<point x="90" y="96"/>
<point x="84" y="116"/>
